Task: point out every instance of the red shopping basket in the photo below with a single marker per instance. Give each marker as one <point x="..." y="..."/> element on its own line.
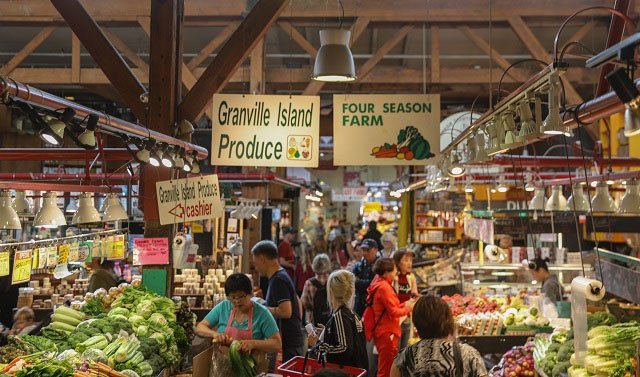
<point x="293" y="368"/>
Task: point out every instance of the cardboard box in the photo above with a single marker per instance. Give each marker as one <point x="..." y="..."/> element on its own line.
<point x="202" y="363"/>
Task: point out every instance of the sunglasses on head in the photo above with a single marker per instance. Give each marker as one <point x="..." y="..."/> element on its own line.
<point x="533" y="266"/>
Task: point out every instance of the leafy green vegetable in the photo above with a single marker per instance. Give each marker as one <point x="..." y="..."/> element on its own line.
<point x="40" y="343"/>
<point x="243" y="363"/>
<point x="93" y="307"/>
<point x="146" y="308"/>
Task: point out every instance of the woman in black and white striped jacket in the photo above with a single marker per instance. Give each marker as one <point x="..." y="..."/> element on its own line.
<point x="342" y="341"/>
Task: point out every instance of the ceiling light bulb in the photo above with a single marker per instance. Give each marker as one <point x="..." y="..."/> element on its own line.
<point x="334" y="61"/>
<point x="539" y="200"/>
<point x="602" y="201"/>
<point x="114" y="210"/>
<point x="577" y="201"/>
<point x="468" y="188"/>
<point x="557" y="201"/>
<point x="630" y="202"/>
<point x="21" y="204"/>
<point x="455" y="168"/>
<point x="8" y="216"/>
<point x="144" y="153"/>
<point x="502" y="186"/>
<point x="167" y="157"/>
<point x="87" y="212"/>
<point x="155" y="157"/>
<point x="49" y="215"/>
<point x="87" y="138"/>
<point x="553" y="125"/>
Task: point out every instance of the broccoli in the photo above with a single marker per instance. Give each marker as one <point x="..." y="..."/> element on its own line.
<point x="77" y="337"/>
<point x="565" y="351"/>
<point x="570" y="335"/>
<point x="148" y="347"/>
<point x="554" y="347"/>
<point x="560" y="368"/>
<point x="157" y="362"/>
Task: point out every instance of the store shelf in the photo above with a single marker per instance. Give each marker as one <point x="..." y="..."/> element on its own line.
<point x="437" y="242"/>
<point x="494" y="344"/>
<point x="518" y="266"/>
<point x="435" y="228"/>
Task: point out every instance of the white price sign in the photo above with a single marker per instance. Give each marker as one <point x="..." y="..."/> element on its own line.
<point x="189" y="199"/>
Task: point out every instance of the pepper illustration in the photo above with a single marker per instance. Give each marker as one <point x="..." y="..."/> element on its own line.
<point x="410" y="145"/>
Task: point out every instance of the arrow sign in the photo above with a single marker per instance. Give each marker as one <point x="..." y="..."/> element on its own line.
<point x="177" y="211"/>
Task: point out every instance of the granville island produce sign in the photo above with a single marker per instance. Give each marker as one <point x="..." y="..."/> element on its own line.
<point x="265" y="130"/>
<point x="382" y="129"/>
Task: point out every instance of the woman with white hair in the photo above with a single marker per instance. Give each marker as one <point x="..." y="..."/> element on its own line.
<point x="314" y="293"/>
<point x="342" y="340"/>
<point x="389" y="242"/>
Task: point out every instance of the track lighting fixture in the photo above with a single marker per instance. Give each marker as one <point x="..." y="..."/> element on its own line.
<point x="87" y="139"/>
<point x="502" y="186"/>
<point x="626" y="90"/>
<point x="167" y="156"/>
<point x="468" y="187"/>
<point x="496" y="134"/>
<point x="553" y="125"/>
<point x="179" y="159"/>
<point x="155" y="156"/>
<point x="53" y="132"/>
<point x="195" y="166"/>
<point x="452" y="187"/>
<point x="529" y="183"/>
<point x="143" y="155"/>
<point x="188" y="160"/>
<point x="528" y="126"/>
<point x="438" y="187"/>
<point x="509" y="126"/>
<point x="8" y="216"/>
<point x="471" y="149"/>
<point x="481" y="146"/>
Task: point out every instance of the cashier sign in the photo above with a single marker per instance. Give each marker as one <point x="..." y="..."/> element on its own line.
<point x="189" y="199"/>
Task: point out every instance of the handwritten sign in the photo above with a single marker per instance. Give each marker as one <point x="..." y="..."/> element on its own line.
<point x="4" y="263"/>
<point x="35" y="259"/>
<point x="52" y="256"/>
<point x="84" y="251"/>
<point x="63" y="254"/>
<point x="117" y="247"/>
<point x="149" y="251"/>
<point x="73" y="252"/>
<point x="42" y="257"/>
<point x="21" y="267"/>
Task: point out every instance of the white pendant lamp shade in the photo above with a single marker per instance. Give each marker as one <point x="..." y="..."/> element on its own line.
<point x="630" y="202"/>
<point x="577" y="201"/>
<point x="21" y="204"/>
<point x="334" y="61"/>
<point x="49" y="215"/>
<point x="87" y="212"/>
<point x="54" y="133"/>
<point x="538" y="201"/>
<point x="557" y="201"/>
<point x="114" y="210"/>
<point x="602" y="201"/>
<point x="631" y="120"/>
<point x="8" y="216"/>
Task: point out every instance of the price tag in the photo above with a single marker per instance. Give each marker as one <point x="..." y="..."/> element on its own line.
<point x="63" y="254"/>
<point x="118" y="247"/>
<point x="52" y="256"/>
<point x="73" y="252"/>
<point x="4" y="263"/>
<point x="21" y="267"/>
<point x="107" y="247"/>
<point x="84" y="251"/>
<point x="35" y="259"/>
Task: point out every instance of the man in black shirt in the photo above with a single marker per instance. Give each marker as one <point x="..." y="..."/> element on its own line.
<point x="281" y="298"/>
<point x="364" y="273"/>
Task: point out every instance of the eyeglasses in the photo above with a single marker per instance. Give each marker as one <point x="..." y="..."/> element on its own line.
<point x="236" y="298"/>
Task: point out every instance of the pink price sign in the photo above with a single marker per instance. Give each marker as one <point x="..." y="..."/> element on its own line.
<point x="151" y="250"/>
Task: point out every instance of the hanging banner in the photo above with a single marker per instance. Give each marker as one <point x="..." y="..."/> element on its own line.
<point x="21" y="267"/>
<point x="150" y="251"/>
<point x="35" y="259"/>
<point x="63" y="254"/>
<point x="380" y="129"/>
<point x="73" y="252"/>
<point x="265" y="130"/>
<point x="4" y="263"/>
<point x="349" y="194"/>
<point x="52" y="256"/>
<point x="189" y="199"/>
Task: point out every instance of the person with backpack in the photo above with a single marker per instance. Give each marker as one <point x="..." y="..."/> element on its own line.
<point x="314" y="293"/>
<point x="382" y="315"/>
<point x="437" y="353"/>
<point x="342" y="341"/>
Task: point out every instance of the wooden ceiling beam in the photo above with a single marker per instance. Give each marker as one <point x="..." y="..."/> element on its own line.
<point x="129" y="54"/>
<point x="401" y="34"/>
<point x="357" y="29"/>
<point x="435" y="54"/>
<point x="292" y="32"/>
<point x="103" y="53"/>
<point x="256" y="69"/>
<point x="26" y="50"/>
<point x="210" y="47"/>
<point x="250" y="31"/>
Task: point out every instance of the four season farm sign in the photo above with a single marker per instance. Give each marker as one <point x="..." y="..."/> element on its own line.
<point x="386" y="129"/>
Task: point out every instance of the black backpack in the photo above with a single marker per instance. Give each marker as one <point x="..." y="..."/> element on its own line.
<point x="321" y="309"/>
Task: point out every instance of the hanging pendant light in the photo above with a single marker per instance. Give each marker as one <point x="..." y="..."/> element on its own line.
<point x="21" y="204"/>
<point x="334" y="61"/>
<point x="557" y="201"/>
<point x="87" y="212"/>
<point x="471" y="149"/>
<point x="630" y="202"/>
<point x="502" y="185"/>
<point x="8" y="216"/>
<point x="529" y="183"/>
<point x="114" y="210"/>
<point x="577" y="201"/>
<point x="631" y="119"/>
<point x="539" y="200"/>
<point x="49" y="215"/>
<point x="602" y="201"/>
<point x="468" y="188"/>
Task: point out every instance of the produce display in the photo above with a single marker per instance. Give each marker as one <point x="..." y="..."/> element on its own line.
<point x="516" y="362"/>
<point x="552" y="353"/>
<point x="471" y="304"/>
<point x="128" y="331"/>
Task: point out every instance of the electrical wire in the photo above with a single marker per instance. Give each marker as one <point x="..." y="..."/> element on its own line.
<point x="511" y="66"/>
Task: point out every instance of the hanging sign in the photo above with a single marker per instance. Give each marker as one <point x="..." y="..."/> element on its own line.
<point x="4" y="263"/>
<point x="381" y="129"/>
<point x="63" y="254"/>
<point x="84" y="251"/>
<point x="73" y="252"/>
<point x="21" y="267"/>
<point x="348" y="194"/>
<point x="265" y="130"/>
<point x="52" y="256"/>
<point x="150" y="251"/>
<point x="35" y="259"/>
<point x="189" y="199"/>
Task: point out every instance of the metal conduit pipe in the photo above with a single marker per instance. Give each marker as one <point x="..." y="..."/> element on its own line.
<point x="562" y="162"/>
<point x="63" y="154"/>
<point x="41" y="98"/>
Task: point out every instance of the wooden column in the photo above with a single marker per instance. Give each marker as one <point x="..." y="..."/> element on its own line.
<point x="256" y="69"/>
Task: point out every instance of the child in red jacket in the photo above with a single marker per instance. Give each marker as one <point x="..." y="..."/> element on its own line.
<point x="387" y="311"/>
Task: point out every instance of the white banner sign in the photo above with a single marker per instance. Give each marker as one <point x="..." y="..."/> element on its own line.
<point x="189" y="199"/>
<point x="382" y="129"/>
<point x="348" y="194"/>
<point x="265" y="130"/>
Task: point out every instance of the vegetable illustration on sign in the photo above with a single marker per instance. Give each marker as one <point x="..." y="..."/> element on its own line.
<point x="410" y="146"/>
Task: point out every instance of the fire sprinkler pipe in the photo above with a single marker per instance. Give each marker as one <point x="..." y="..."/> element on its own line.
<point x="106" y="122"/>
<point x="62" y="154"/>
<point x="562" y="162"/>
<point x="50" y="186"/>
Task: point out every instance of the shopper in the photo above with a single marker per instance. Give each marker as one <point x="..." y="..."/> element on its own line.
<point x="304" y="270"/>
<point x="363" y="271"/>
<point x="338" y="249"/>
<point x="320" y="234"/>
<point x="437" y="353"/>
<point x="314" y="294"/>
<point x="389" y="242"/>
<point x="551" y="287"/>
<point x="23" y="322"/>
<point x="102" y="275"/>
<point x="240" y="318"/>
<point x="406" y="286"/>
<point x="287" y="257"/>
<point x="355" y="254"/>
<point x="281" y="298"/>
<point x="342" y="340"/>
<point x="382" y="317"/>
<point x="373" y="233"/>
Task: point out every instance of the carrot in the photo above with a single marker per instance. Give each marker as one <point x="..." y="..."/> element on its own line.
<point x="386" y="153"/>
